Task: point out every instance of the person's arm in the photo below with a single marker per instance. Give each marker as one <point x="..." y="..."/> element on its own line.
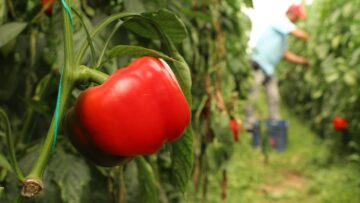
<point x="295" y="58"/>
<point x="301" y="34"/>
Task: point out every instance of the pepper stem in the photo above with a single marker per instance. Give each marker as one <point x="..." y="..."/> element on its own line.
<point x="32" y="187"/>
<point x="33" y="184"/>
<point x="85" y="73"/>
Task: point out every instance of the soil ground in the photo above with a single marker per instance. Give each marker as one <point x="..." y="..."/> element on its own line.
<point x="304" y="173"/>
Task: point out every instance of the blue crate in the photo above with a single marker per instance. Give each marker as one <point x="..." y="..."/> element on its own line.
<point x="277" y="131"/>
<point x="256" y="134"/>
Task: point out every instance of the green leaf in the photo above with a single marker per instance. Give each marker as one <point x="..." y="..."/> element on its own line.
<point x="71" y="174"/>
<point x="332" y="77"/>
<point x="88" y="10"/>
<point x="183" y="75"/>
<point x="347" y="9"/>
<point x="10" y="145"/>
<point x="168" y="22"/>
<point x="130" y="50"/>
<point x="322" y="51"/>
<point x="39" y="106"/>
<point x="354" y="158"/>
<point x="222" y="147"/>
<point x="335" y="42"/>
<point x="97" y="190"/>
<point x="27" y="161"/>
<point x="10" y="30"/>
<point x="316" y="94"/>
<point x="109" y="39"/>
<point x="51" y="191"/>
<point x="131" y="179"/>
<point x="134" y="6"/>
<point x="182" y="154"/>
<point x="249" y="3"/>
<point x="3" y="174"/>
<point x="3" y="11"/>
<point x="149" y="185"/>
<point x="182" y="159"/>
<point x="100" y="27"/>
<point x="4" y="163"/>
<point x="350" y="78"/>
<point x="1" y="191"/>
<point x="88" y="37"/>
<point x="191" y="13"/>
<point x="355" y="56"/>
<point x="180" y="67"/>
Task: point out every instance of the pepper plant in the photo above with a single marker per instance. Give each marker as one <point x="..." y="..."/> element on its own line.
<point x="217" y="52"/>
<point x="74" y="74"/>
<point x="103" y="36"/>
<point x="329" y="87"/>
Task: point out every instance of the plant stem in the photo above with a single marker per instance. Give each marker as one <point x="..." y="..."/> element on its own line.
<point x="117" y="26"/>
<point x="41" y="88"/>
<point x="41" y="12"/>
<point x="98" y="29"/>
<point x="11" y="148"/>
<point x="92" y="49"/>
<point x="88" y="74"/>
<point x="40" y="164"/>
<point x="33" y="184"/>
<point x="11" y="8"/>
<point x="122" y="187"/>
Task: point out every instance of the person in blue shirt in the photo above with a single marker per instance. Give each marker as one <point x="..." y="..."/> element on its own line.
<point x="270" y="48"/>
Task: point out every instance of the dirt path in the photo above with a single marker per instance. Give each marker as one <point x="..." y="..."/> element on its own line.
<point x="291" y="180"/>
<point x="304" y="173"/>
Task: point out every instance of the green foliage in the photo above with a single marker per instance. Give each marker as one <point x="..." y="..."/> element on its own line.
<point x="149" y="189"/>
<point x="249" y="3"/>
<point x="32" y="53"/>
<point x="121" y="50"/>
<point x="10" y="31"/>
<point x="221" y="150"/>
<point x="329" y="87"/>
<point x="141" y="182"/>
<point x="305" y="172"/>
<point x="4" y="164"/>
<point x="171" y="32"/>
<point x="169" y="23"/>
<point x="71" y="174"/>
<point x="182" y="160"/>
<point x="216" y="54"/>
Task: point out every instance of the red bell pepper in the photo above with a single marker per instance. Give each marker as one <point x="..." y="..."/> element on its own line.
<point x="273" y="142"/>
<point x="339" y="123"/>
<point x="137" y="110"/>
<point x="51" y="5"/>
<point x="78" y="137"/>
<point x="234" y="129"/>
